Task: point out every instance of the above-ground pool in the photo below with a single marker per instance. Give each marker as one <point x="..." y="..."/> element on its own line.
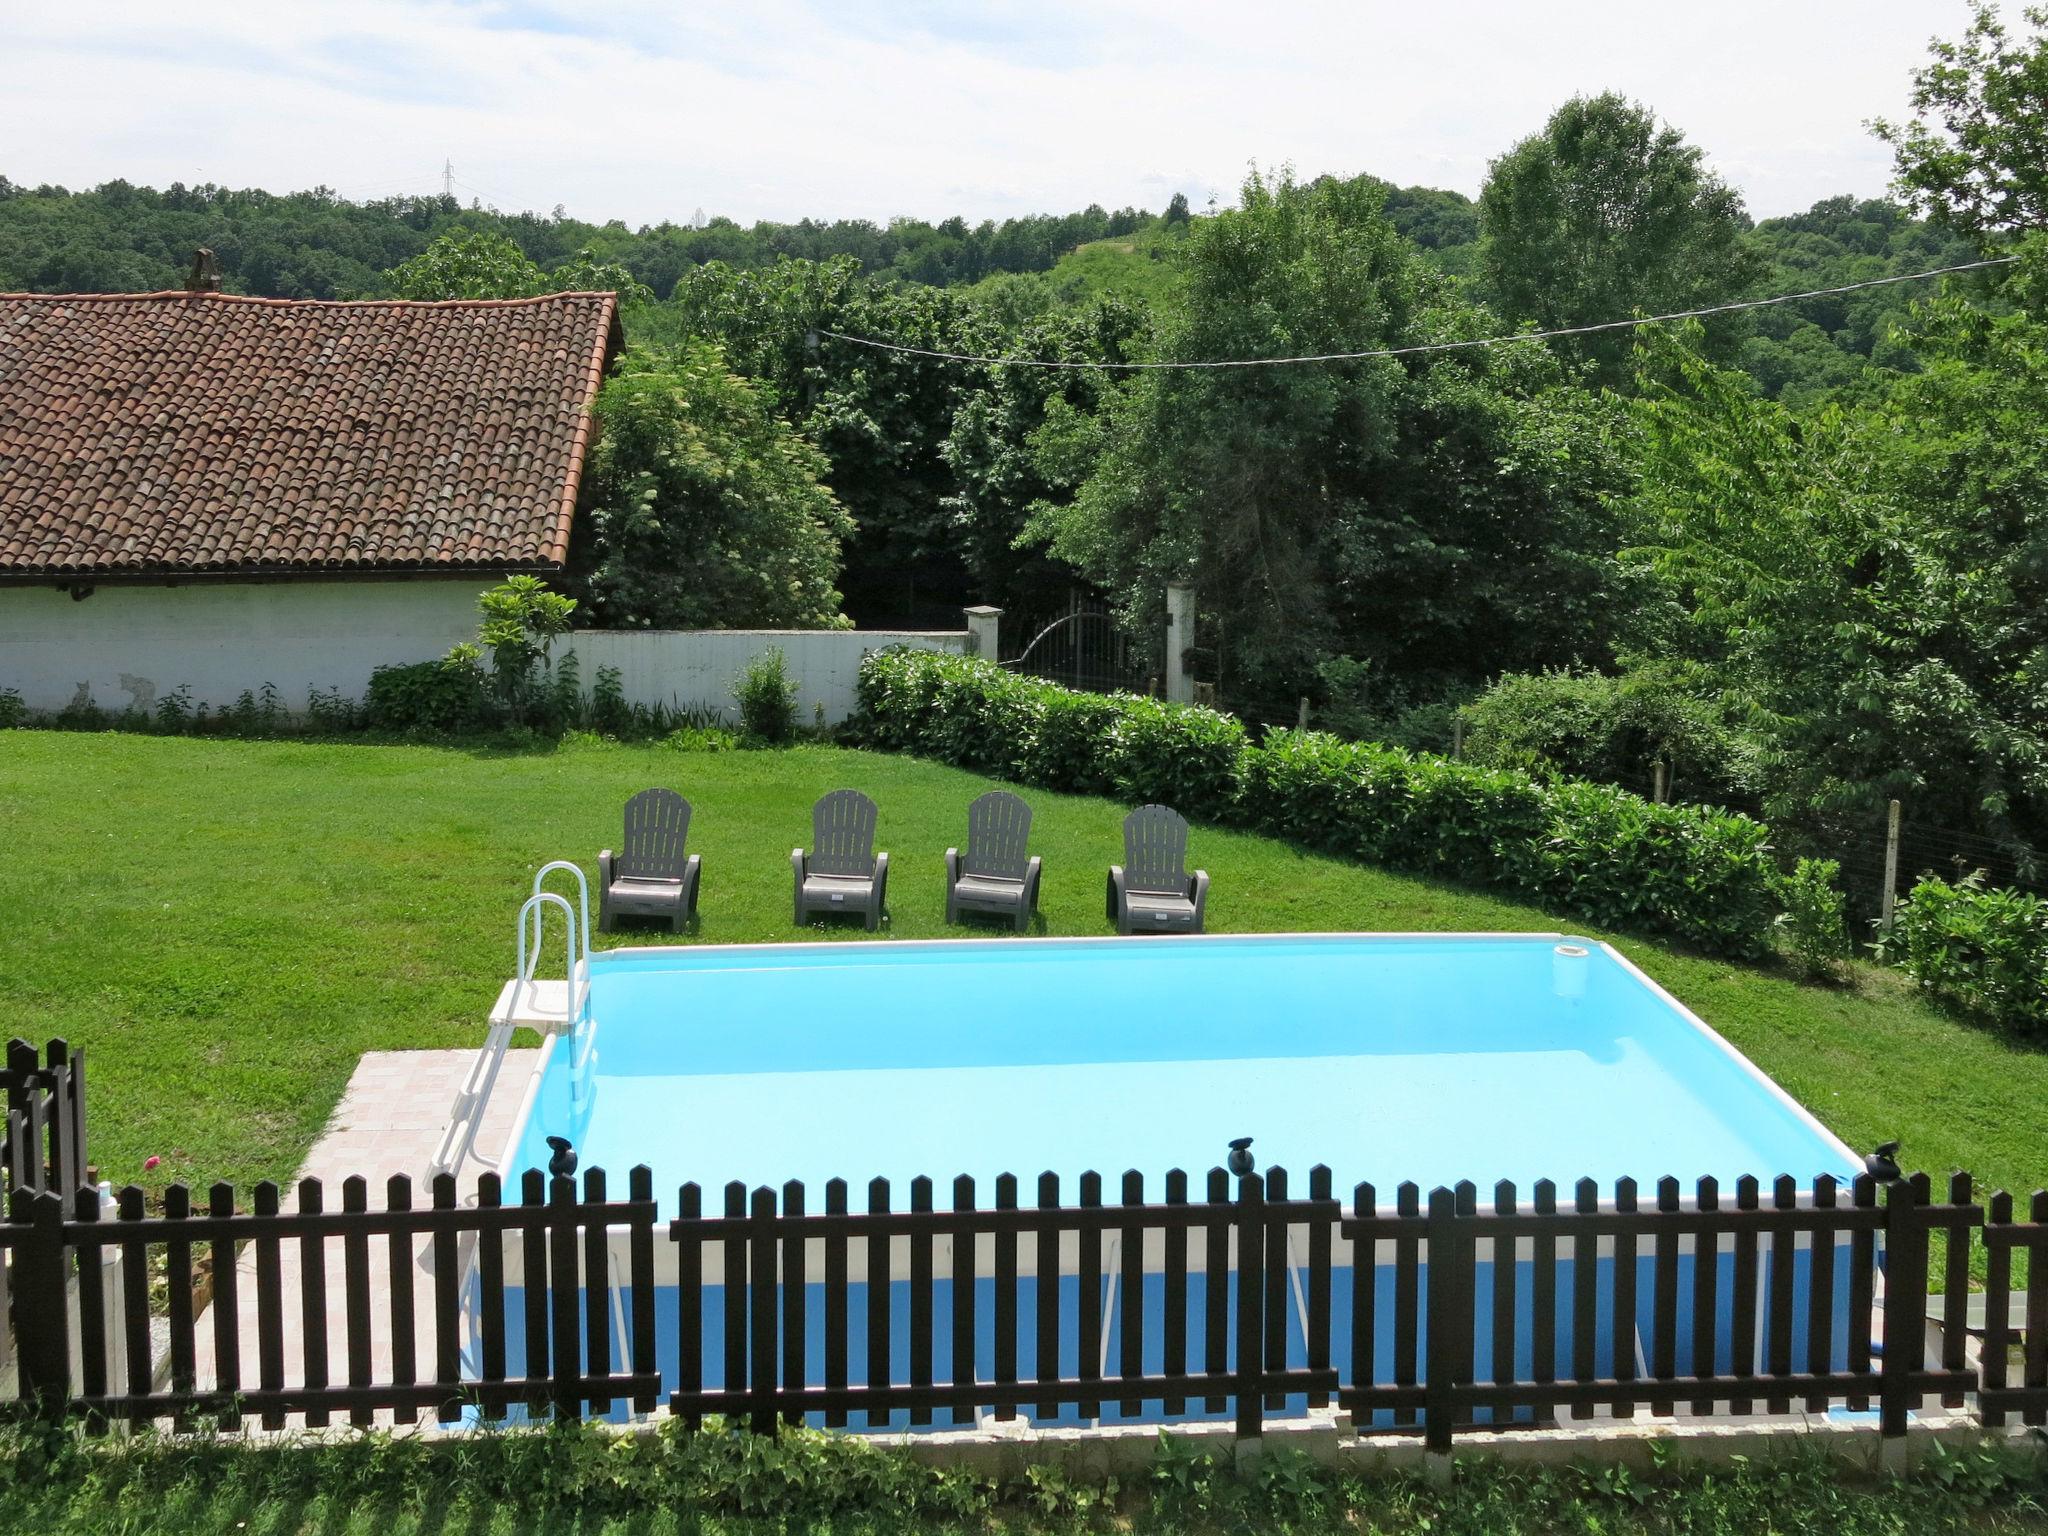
<point x="1388" y="1058"/>
<point x="1393" y="1058"/>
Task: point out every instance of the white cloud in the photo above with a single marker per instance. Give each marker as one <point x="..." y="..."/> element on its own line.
<point x="782" y="108"/>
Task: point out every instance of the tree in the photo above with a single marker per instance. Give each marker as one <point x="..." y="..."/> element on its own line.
<point x="1605" y="214"/>
<point x="1376" y="529"/>
<point x="1980" y="166"/>
<point x="1177" y="209"/>
<point x="1868" y="580"/>
<point x="476" y="264"/>
<point x="702" y="508"/>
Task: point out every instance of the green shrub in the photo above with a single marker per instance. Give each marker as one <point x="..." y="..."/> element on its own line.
<point x="1589" y="725"/>
<point x="1979" y="948"/>
<point x="767" y="698"/>
<point x="1175" y="754"/>
<point x="12" y="710"/>
<point x="429" y="696"/>
<point x="1612" y="858"/>
<point x="1814" y="924"/>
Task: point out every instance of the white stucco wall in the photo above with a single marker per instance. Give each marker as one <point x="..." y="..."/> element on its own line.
<point x="697" y="667"/>
<point x="131" y="644"/>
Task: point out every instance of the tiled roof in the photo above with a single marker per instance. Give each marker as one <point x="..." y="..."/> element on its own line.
<point x="206" y="434"/>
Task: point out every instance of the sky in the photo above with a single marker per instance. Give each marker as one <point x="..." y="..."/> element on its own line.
<point x="778" y="109"/>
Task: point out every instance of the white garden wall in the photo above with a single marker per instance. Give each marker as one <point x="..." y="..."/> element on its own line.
<point x="128" y="645"/>
<point x="697" y="667"/>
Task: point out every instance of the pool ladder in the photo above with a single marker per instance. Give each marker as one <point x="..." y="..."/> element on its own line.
<point x="465" y="1116"/>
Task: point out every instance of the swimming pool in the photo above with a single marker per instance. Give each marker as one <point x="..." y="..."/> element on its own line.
<point x="1431" y="1059"/>
<point x="1388" y="1058"/>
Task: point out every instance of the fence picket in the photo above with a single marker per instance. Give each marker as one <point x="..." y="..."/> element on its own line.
<point x="269" y="1303"/>
<point x="966" y="1280"/>
<point x="1706" y="1289"/>
<point x="837" y="1290"/>
<point x="923" y="1304"/>
<point x="1006" y="1294"/>
<point x="795" y="1290"/>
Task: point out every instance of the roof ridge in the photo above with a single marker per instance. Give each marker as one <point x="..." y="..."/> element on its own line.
<point x="251" y="298"/>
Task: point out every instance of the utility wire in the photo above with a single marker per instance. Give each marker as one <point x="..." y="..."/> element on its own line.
<point x="1432" y="346"/>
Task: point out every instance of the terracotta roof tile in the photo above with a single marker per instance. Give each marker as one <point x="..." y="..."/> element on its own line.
<point x="207" y="434"/>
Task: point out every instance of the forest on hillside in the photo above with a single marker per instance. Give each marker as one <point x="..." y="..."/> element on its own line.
<point x="1796" y="554"/>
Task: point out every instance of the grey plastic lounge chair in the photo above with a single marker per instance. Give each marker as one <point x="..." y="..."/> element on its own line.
<point x="842" y="872"/>
<point x="996" y="876"/>
<point x="652" y="874"/>
<point x="1151" y="891"/>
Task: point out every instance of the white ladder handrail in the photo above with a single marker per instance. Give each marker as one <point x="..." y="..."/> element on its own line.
<point x="531" y="915"/>
<point x="582" y="897"/>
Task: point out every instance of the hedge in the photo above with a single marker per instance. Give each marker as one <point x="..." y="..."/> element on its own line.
<point x="1616" y="860"/>
<point x="1979" y="948"/>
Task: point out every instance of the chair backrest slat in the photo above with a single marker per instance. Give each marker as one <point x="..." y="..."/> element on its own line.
<point x="1156" y="850"/>
<point x="655" y="846"/>
<point x="843" y="834"/>
<point x="998" y="836"/>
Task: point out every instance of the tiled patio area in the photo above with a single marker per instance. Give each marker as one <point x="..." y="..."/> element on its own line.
<point x="389" y="1122"/>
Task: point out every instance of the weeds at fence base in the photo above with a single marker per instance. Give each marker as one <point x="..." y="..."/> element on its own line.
<point x="51" y="1478"/>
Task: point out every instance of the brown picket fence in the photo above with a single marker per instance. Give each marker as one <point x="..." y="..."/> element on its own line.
<point x="1231" y="1298"/>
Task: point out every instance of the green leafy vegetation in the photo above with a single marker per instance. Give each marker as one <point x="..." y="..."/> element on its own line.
<point x="585" y="1481"/>
<point x="766" y="695"/>
<point x="1981" y="949"/>
<point x="1597" y="853"/>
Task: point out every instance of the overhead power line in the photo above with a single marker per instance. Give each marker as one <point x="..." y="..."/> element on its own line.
<point x="1422" y="347"/>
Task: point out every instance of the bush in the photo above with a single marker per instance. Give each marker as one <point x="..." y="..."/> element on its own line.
<point x="1979" y="948"/>
<point x="12" y="711"/>
<point x="1612" y="858"/>
<point x="1813" y="925"/>
<point x="1591" y="726"/>
<point x="435" y="696"/>
<point x="767" y="698"/>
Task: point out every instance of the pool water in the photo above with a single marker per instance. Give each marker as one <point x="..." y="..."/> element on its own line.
<point x="1390" y="1058"/>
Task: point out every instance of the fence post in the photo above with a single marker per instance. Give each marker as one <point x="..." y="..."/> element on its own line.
<point x="984" y="633"/>
<point x="1660" y="781"/>
<point x="1905" y="1305"/>
<point x="1301" y="715"/>
<point x="1180" y="639"/>
<point x="1441" y="1324"/>
<point x="1891" y="863"/>
<point x="1251" y="1309"/>
<point x="42" y="1311"/>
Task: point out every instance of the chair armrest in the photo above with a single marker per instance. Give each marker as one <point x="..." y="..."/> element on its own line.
<point x="1201" y="894"/>
<point x="881" y="881"/>
<point x="1031" y="872"/>
<point x="952" y="867"/>
<point x="693" y="869"/>
<point x="1113" y="894"/>
<point x="605" y="868"/>
<point x="797" y="862"/>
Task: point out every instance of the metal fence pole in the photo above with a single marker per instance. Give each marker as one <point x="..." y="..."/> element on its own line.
<point x="1891" y="863"/>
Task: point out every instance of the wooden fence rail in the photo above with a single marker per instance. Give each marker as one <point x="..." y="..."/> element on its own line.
<point x="1225" y="1297"/>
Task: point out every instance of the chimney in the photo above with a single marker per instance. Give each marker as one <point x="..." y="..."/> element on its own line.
<point x="205" y="274"/>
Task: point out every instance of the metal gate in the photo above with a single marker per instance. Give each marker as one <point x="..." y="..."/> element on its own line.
<point x="1081" y="646"/>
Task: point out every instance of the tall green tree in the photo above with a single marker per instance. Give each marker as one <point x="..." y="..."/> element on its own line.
<point x="702" y="508"/>
<point x="1869" y="578"/>
<point x="1974" y="155"/>
<point x="1604" y="214"/>
<point x="1376" y="528"/>
<point x="476" y="264"/>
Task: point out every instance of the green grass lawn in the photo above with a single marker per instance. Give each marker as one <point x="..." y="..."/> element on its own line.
<point x="227" y="926"/>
